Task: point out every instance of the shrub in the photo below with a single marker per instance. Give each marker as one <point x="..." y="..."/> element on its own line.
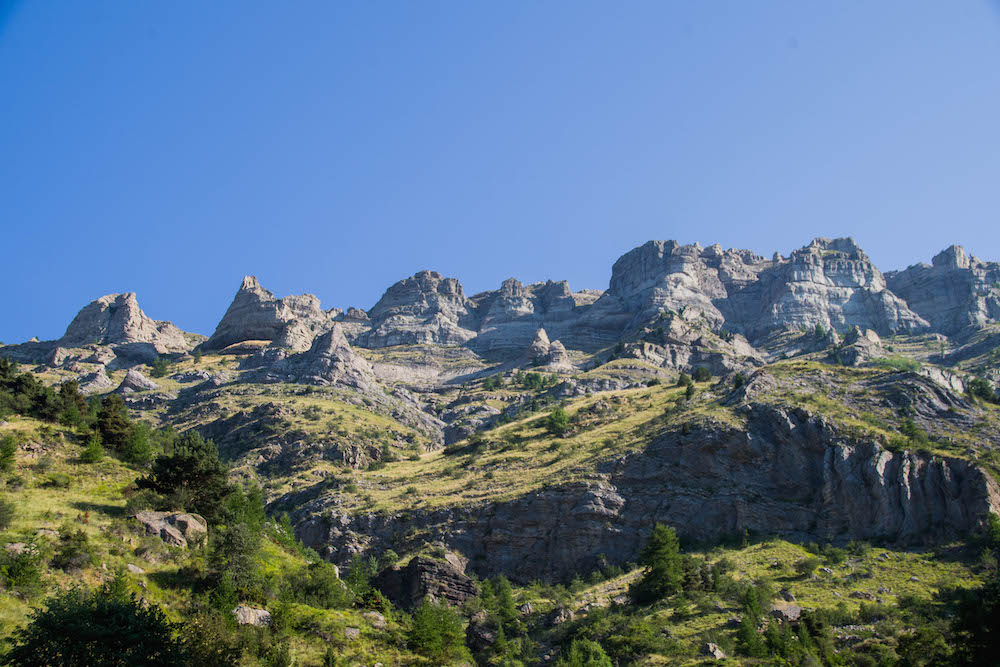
<point x="689" y="392"/>
<point x="438" y="632"/>
<point x="58" y="480"/>
<point x="684" y="380"/>
<point x="160" y="367"/>
<point x="22" y="571"/>
<point x="138" y="449"/>
<point x="7" y="514"/>
<point x="584" y="653"/>
<point x="317" y="585"/>
<point x="898" y="363"/>
<point x="74" y="550"/>
<point x="807" y="566"/>
<point x="980" y="388"/>
<point x="557" y="422"/>
<point x="93" y="452"/>
<point x="105" y="627"/>
<point x="8" y="452"/>
<point x="702" y="374"/>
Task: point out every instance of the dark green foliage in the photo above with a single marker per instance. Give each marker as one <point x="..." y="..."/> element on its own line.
<point x="22" y="571"/>
<point x="93" y="451"/>
<point x="160" y="368"/>
<point x="702" y="374"/>
<point x="981" y="389"/>
<point x="104" y="628"/>
<point x="236" y="546"/>
<point x="534" y="381"/>
<point x="138" y="450"/>
<point x="584" y="653"/>
<point x="807" y="566"/>
<point x="557" y="422"/>
<point x="493" y="382"/>
<point x="317" y="585"/>
<point x="75" y="410"/>
<point x="739" y="380"/>
<point x="684" y="380"/>
<point x="22" y="393"/>
<point x="437" y="632"/>
<point x="114" y="423"/>
<point x="7" y="514"/>
<point x="689" y="392"/>
<point x="73" y="551"/>
<point x="8" y="453"/>
<point x="977" y="623"/>
<point x="191" y="477"/>
<point x="661" y="557"/>
<point x="820" y="331"/>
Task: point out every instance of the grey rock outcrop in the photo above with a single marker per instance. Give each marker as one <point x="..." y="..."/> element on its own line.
<point x="954" y="292"/>
<point x="829" y="282"/>
<point x="426" y="577"/>
<point x="330" y="361"/>
<point x="786" y="472"/>
<point x="426" y="308"/>
<point x="246" y="615"/>
<point x="116" y="319"/>
<point x="175" y="528"/>
<point x="97" y="382"/>
<point x="859" y="346"/>
<point x="135" y="382"/>
<point x="257" y="315"/>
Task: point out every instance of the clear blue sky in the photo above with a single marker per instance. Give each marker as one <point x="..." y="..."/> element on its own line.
<point x="336" y="147"/>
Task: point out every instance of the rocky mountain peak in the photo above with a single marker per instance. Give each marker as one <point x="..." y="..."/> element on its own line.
<point x="953" y="257"/>
<point x="117" y="319"/>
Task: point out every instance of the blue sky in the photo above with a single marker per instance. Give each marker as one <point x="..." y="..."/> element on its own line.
<point x="336" y="147"/>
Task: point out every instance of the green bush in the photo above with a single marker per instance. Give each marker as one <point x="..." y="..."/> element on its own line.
<point x="317" y="585"/>
<point x="58" y="480"/>
<point x="104" y="627"/>
<point x="7" y="514"/>
<point x="584" y="653"/>
<point x="8" y="453"/>
<point x="807" y="566"/>
<point x="898" y="363"/>
<point x="73" y="551"/>
<point x="702" y="374"/>
<point x="437" y="632"/>
<point x="557" y="422"/>
<point x="160" y="368"/>
<point x="93" y="452"/>
<point x="22" y="571"/>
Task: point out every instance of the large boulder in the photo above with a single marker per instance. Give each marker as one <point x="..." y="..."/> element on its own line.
<point x="135" y="382"/>
<point x="246" y="615"/>
<point x="426" y="577"/>
<point x="175" y="528"/>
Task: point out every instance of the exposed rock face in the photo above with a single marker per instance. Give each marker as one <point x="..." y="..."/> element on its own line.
<point x="117" y="319"/>
<point x="426" y="577"/>
<point x="97" y="382"/>
<point x="953" y="293"/>
<point x="257" y="315"/>
<point x="252" y="616"/>
<point x="787" y="473"/>
<point x="829" y="282"/>
<point x="329" y="362"/>
<point x="174" y="528"/>
<point x="859" y="347"/>
<point x="426" y="308"/>
<point x="135" y="382"/>
<point x="511" y="315"/>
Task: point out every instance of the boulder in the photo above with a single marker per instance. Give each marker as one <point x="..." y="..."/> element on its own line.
<point x="246" y="615"/>
<point x="97" y="382"/>
<point x="425" y="577"/>
<point x="135" y="382"/>
<point x="786" y="612"/>
<point x="376" y="619"/>
<point x="175" y="528"/>
<point x="713" y="651"/>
